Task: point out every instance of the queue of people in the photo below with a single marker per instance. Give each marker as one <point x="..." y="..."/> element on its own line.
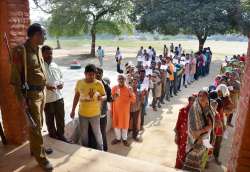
<point x="200" y="126"/>
<point x="203" y="123"/>
<point x="156" y="78"/>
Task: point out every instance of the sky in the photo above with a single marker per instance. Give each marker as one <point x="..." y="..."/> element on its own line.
<point x="35" y="13"/>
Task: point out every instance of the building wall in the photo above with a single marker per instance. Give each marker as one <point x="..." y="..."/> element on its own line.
<point x="14" y="20"/>
<point x="240" y="155"/>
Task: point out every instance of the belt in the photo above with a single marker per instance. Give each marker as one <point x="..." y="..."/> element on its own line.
<point x="36" y="88"/>
<point x="103" y="115"/>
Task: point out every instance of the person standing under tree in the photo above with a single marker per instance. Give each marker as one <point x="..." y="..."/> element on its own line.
<point x="140" y="52"/>
<point x="172" y="47"/>
<point x="118" y="58"/>
<point x="100" y="55"/>
<point x="29" y="80"/>
<point x="165" y="51"/>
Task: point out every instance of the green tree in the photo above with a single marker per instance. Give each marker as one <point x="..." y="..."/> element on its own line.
<point x="208" y="17"/>
<point x="197" y="17"/>
<point x="154" y="15"/>
<point x="89" y="16"/>
<point x="242" y="20"/>
<point x="55" y="28"/>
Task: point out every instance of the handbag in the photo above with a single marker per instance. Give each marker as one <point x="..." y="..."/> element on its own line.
<point x="196" y="158"/>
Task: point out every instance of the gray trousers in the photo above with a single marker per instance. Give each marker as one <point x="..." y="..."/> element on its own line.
<point x="95" y="125"/>
<point x="167" y="91"/>
<point x="54" y="113"/>
<point x="100" y="60"/>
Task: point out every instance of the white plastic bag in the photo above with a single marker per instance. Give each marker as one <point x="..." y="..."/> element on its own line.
<point x="72" y="131"/>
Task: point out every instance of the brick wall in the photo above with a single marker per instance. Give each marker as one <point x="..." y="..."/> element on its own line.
<point x="240" y="155"/>
<point x="14" y="20"/>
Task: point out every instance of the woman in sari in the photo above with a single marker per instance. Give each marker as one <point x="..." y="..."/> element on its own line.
<point x="200" y="123"/>
<point x="228" y="107"/>
<point x="181" y="133"/>
<point x="192" y="68"/>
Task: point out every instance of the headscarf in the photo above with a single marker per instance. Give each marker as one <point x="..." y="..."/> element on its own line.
<point x="224" y="89"/>
<point x="213" y="95"/>
<point x="211" y="88"/>
<point x="217" y="80"/>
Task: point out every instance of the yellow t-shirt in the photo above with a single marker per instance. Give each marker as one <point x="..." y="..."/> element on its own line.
<point x="89" y="92"/>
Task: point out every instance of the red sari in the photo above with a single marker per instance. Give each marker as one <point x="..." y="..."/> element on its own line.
<point x="181" y="131"/>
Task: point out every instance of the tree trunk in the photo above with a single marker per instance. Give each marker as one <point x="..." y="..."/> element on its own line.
<point x="201" y="43"/>
<point x="93" y="36"/>
<point x="202" y="39"/>
<point x="58" y="43"/>
<point x="248" y="48"/>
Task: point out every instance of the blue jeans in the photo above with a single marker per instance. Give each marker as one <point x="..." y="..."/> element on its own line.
<point x="95" y="125"/>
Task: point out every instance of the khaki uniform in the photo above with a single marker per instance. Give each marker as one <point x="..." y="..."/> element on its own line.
<point x="35" y="96"/>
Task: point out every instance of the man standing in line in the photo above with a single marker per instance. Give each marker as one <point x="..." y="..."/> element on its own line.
<point x="104" y="110"/>
<point x="171" y="47"/>
<point x="29" y="80"/>
<point x="170" y="76"/>
<point x="143" y="83"/>
<point x="90" y="93"/>
<point x="118" y="58"/>
<point x="165" y="51"/>
<point x="100" y="55"/>
<point x="123" y="97"/>
<point x="140" y="52"/>
<point x="54" y="107"/>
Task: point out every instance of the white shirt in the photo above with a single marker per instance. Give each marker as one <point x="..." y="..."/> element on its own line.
<point x="119" y="56"/>
<point x="175" y="61"/>
<point x="167" y="76"/>
<point x="180" y="50"/>
<point x="150" y="53"/>
<point x="145" y="84"/>
<point x="172" y="54"/>
<point x="54" y="78"/>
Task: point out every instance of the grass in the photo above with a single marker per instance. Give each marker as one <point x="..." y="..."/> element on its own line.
<point x="130" y="47"/>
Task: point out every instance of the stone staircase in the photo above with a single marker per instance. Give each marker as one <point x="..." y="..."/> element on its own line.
<point x="73" y="158"/>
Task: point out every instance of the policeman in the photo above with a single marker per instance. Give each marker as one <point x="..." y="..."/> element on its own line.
<point x="28" y="79"/>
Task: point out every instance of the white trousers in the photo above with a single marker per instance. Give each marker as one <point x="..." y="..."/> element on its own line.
<point x="121" y="134"/>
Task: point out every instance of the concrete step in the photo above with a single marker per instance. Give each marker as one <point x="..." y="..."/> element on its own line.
<point x="73" y="158"/>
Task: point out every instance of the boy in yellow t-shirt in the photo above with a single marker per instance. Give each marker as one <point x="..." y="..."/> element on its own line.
<point x="90" y="93"/>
